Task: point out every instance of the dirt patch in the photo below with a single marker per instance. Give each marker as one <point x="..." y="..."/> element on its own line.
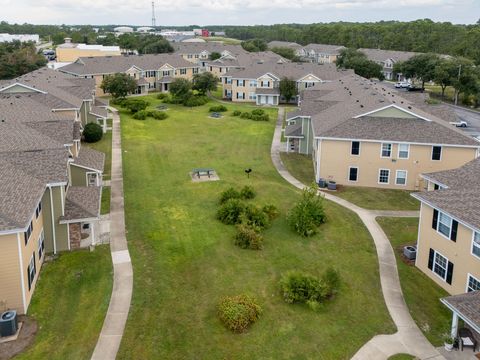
<point x="25" y="339"/>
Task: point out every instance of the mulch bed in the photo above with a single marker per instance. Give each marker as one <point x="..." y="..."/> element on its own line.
<point x="25" y="339"/>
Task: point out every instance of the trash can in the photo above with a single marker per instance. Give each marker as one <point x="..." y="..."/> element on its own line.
<point x="332" y="185"/>
<point x="322" y="183"/>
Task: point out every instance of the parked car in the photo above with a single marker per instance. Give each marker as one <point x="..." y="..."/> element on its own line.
<point x="402" y="85"/>
<point x="412" y="87"/>
<point x="460" y="123"/>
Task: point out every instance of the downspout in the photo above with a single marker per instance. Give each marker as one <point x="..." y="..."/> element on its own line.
<point x="53" y="221"/>
<point x="319" y="153"/>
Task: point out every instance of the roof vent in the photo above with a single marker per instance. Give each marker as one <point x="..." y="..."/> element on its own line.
<point x="361" y="105"/>
<point x="409" y="107"/>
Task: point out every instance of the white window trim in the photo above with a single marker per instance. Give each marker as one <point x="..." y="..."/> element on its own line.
<point x="468" y="280"/>
<point x="32" y="261"/>
<point x="41" y="240"/>
<point x="396" y="177"/>
<point x="378" y="178"/>
<point x="359" y="148"/>
<point x="441" y="153"/>
<point x="450" y="226"/>
<point x="473" y="244"/>
<point x="348" y="177"/>
<point x="97" y="180"/>
<point x="408" y="152"/>
<point x="433" y="267"/>
<point x="381" y="150"/>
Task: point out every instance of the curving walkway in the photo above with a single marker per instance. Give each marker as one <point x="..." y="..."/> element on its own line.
<point x="408" y="338"/>
<point x="114" y="323"/>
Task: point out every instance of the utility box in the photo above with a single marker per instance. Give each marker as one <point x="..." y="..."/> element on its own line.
<point x="8" y="323"/>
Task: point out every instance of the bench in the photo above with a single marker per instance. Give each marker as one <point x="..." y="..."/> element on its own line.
<point x="203" y="172"/>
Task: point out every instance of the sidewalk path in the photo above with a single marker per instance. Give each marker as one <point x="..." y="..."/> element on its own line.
<point x="114" y="323"/>
<point x="408" y="339"/>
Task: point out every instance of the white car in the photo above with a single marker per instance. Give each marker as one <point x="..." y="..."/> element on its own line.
<point x="460" y="123"/>
<point x="402" y="85"/>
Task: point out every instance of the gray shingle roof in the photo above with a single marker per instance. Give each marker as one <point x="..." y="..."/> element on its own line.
<point x="294" y="129"/>
<point x="59" y="130"/>
<point x="267" y="91"/>
<point x="20" y="137"/>
<point x="325" y="48"/>
<point x="467" y="305"/>
<point x="82" y="202"/>
<point x="90" y="158"/>
<point x="99" y="111"/>
<point x="466" y="176"/>
<point x="196" y="48"/>
<point x="379" y="55"/>
<point x="277" y="44"/>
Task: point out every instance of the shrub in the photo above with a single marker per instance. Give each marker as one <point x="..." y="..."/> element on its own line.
<point x="135" y="105"/>
<point x="119" y="101"/>
<point x="196" y="100"/>
<point x="271" y="211"/>
<point x="254" y="216"/>
<point x="218" y="108"/>
<point x="228" y="194"/>
<point x="331" y="279"/>
<point x="237" y="113"/>
<point x="230" y="213"/>
<point x="238" y="312"/>
<point x="140" y="115"/>
<point x="162" y="96"/>
<point x="92" y="133"/>
<point x="258" y="112"/>
<point x="246" y="115"/>
<point x="263" y="117"/>
<point x="248" y="237"/>
<point x="297" y="286"/>
<point x="247" y="192"/>
<point x="308" y="214"/>
<point x="157" y="115"/>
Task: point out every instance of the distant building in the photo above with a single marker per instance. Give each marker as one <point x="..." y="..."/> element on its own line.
<point x="123" y="29"/>
<point x="145" y="29"/>
<point x="19" y="37"/>
<point x="70" y="52"/>
<point x="205" y="33"/>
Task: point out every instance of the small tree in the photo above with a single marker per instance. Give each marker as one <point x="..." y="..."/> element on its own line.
<point x="288" y="89"/>
<point x="181" y="88"/>
<point x="356" y="60"/>
<point x="308" y="214"/>
<point x="204" y="82"/>
<point x="444" y="74"/>
<point x="287" y="53"/>
<point x="118" y="85"/>
<point x="215" y="55"/>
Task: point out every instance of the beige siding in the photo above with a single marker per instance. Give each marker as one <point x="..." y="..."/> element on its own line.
<point x="72" y="54"/>
<point x="336" y="158"/>
<point x="10" y="279"/>
<point x="459" y="253"/>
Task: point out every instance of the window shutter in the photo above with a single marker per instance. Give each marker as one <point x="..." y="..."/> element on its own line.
<point x="435" y="219"/>
<point x="453" y="233"/>
<point x="430" y="259"/>
<point x="449" y="273"/>
<point x="28" y="276"/>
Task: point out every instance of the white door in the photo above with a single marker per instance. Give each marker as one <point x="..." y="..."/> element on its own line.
<point x="270" y="100"/>
<point x="263" y="99"/>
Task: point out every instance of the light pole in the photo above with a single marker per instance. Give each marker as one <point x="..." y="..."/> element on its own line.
<point x="456" y="90"/>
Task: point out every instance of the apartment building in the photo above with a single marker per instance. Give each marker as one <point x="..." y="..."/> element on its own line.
<point x="360" y="134"/>
<point x="260" y="82"/>
<point x="152" y="72"/>
<point x="320" y="53"/>
<point x="50" y="186"/>
<point x="200" y="53"/>
<point x="69" y="52"/>
<point x="388" y="58"/>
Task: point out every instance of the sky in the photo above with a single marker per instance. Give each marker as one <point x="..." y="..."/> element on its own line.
<point x="234" y="12"/>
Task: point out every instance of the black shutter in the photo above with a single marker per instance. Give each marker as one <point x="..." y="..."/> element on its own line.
<point x="435" y="219"/>
<point x="430" y="259"/>
<point x="28" y="276"/>
<point x="453" y="233"/>
<point x="449" y="273"/>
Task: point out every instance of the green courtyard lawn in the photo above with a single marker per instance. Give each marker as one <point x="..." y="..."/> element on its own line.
<point x="185" y="261"/>
<point x="105" y="146"/>
<point x="421" y="293"/>
<point x="69" y="305"/>
<point x="105" y="203"/>
<point x="300" y="166"/>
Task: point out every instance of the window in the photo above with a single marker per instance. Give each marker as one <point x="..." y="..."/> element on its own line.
<point x="252" y="96"/>
<point x="38" y="210"/>
<point x="384" y="176"/>
<point x="355" y="150"/>
<point x="195" y="70"/>
<point x="240" y="95"/>
<point x="386" y="150"/>
<point x="41" y="245"/>
<point x="197" y="56"/>
<point x="440" y="265"/>
<point x="444" y="224"/>
<point x="403" y="151"/>
<point x="166" y="73"/>
<point x="476" y="244"/>
<point x="27" y="233"/>
<point x="229" y="80"/>
<point x="253" y="83"/>
<point x="436" y="186"/>
<point x="183" y="71"/>
<point x="189" y="56"/>
<point x="473" y="284"/>
<point x="401" y="177"/>
<point x="353" y="174"/>
<point x="436" y="152"/>
<point x="265" y="84"/>
<point x="31" y="271"/>
<point x="240" y="82"/>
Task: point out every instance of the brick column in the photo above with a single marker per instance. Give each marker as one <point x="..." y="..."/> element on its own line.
<point x="75" y="235"/>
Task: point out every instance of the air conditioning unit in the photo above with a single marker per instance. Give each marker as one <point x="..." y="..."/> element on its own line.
<point x="8" y="323"/>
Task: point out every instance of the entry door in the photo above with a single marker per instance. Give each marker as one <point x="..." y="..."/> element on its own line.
<point x="263" y="99"/>
<point x="270" y="100"/>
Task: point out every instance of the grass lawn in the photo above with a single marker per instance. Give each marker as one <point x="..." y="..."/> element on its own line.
<point x="105" y="204"/>
<point x="421" y="293"/>
<point x="105" y="146"/>
<point x="300" y="166"/>
<point x="69" y="305"/>
<point x="402" y="357"/>
<point x="225" y="40"/>
<point x="218" y="94"/>
<point x="184" y="259"/>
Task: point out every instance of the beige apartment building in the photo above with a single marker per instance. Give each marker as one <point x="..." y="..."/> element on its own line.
<point x="70" y="52"/>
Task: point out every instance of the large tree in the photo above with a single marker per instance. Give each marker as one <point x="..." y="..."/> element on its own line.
<point x="420" y="67"/>
<point x="356" y="60"/>
<point x="19" y="58"/>
<point x="467" y="79"/>
<point x="444" y="73"/>
<point x="254" y="45"/>
<point x="288" y="88"/>
<point x="287" y="53"/>
<point x="118" y="85"/>
<point x="205" y="82"/>
<point x="181" y="89"/>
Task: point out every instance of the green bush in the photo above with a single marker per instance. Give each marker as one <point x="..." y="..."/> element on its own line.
<point x="248" y="237"/>
<point x="92" y="132"/>
<point x="263" y="117"/>
<point x="157" y="115"/>
<point x="140" y="115"/>
<point x="135" y="105"/>
<point x="331" y="279"/>
<point x="230" y="213"/>
<point x="119" y="101"/>
<point x="254" y="216"/>
<point x="247" y="192"/>
<point x="228" y="194"/>
<point x="258" y="112"/>
<point x="196" y="100"/>
<point x="297" y="286"/>
<point x="308" y="214"/>
<point x="218" y="108"/>
<point x="237" y="113"/>
<point x="271" y="211"/>
<point x="162" y="96"/>
<point x="246" y="115"/>
<point x="238" y="312"/>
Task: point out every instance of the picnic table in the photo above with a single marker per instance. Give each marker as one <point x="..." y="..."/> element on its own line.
<point x="203" y="171"/>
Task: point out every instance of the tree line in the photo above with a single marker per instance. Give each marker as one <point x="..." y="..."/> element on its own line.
<point x="18" y="58"/>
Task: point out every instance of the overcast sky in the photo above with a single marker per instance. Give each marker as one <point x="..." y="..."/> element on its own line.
<point x="237" y="12"/>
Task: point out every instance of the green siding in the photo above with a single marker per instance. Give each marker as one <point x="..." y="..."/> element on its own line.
<point x="17" y="89"/>
<point x="305" y="144"/>
<point x="78" y="176"/>
<point x="47" y="221"/>
<point x="392" y="112"/>
<point x="61" y="232"/>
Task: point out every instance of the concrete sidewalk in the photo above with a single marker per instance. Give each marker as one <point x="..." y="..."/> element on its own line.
<point x="114" y="324"/>
<point x="408" y="339"/>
